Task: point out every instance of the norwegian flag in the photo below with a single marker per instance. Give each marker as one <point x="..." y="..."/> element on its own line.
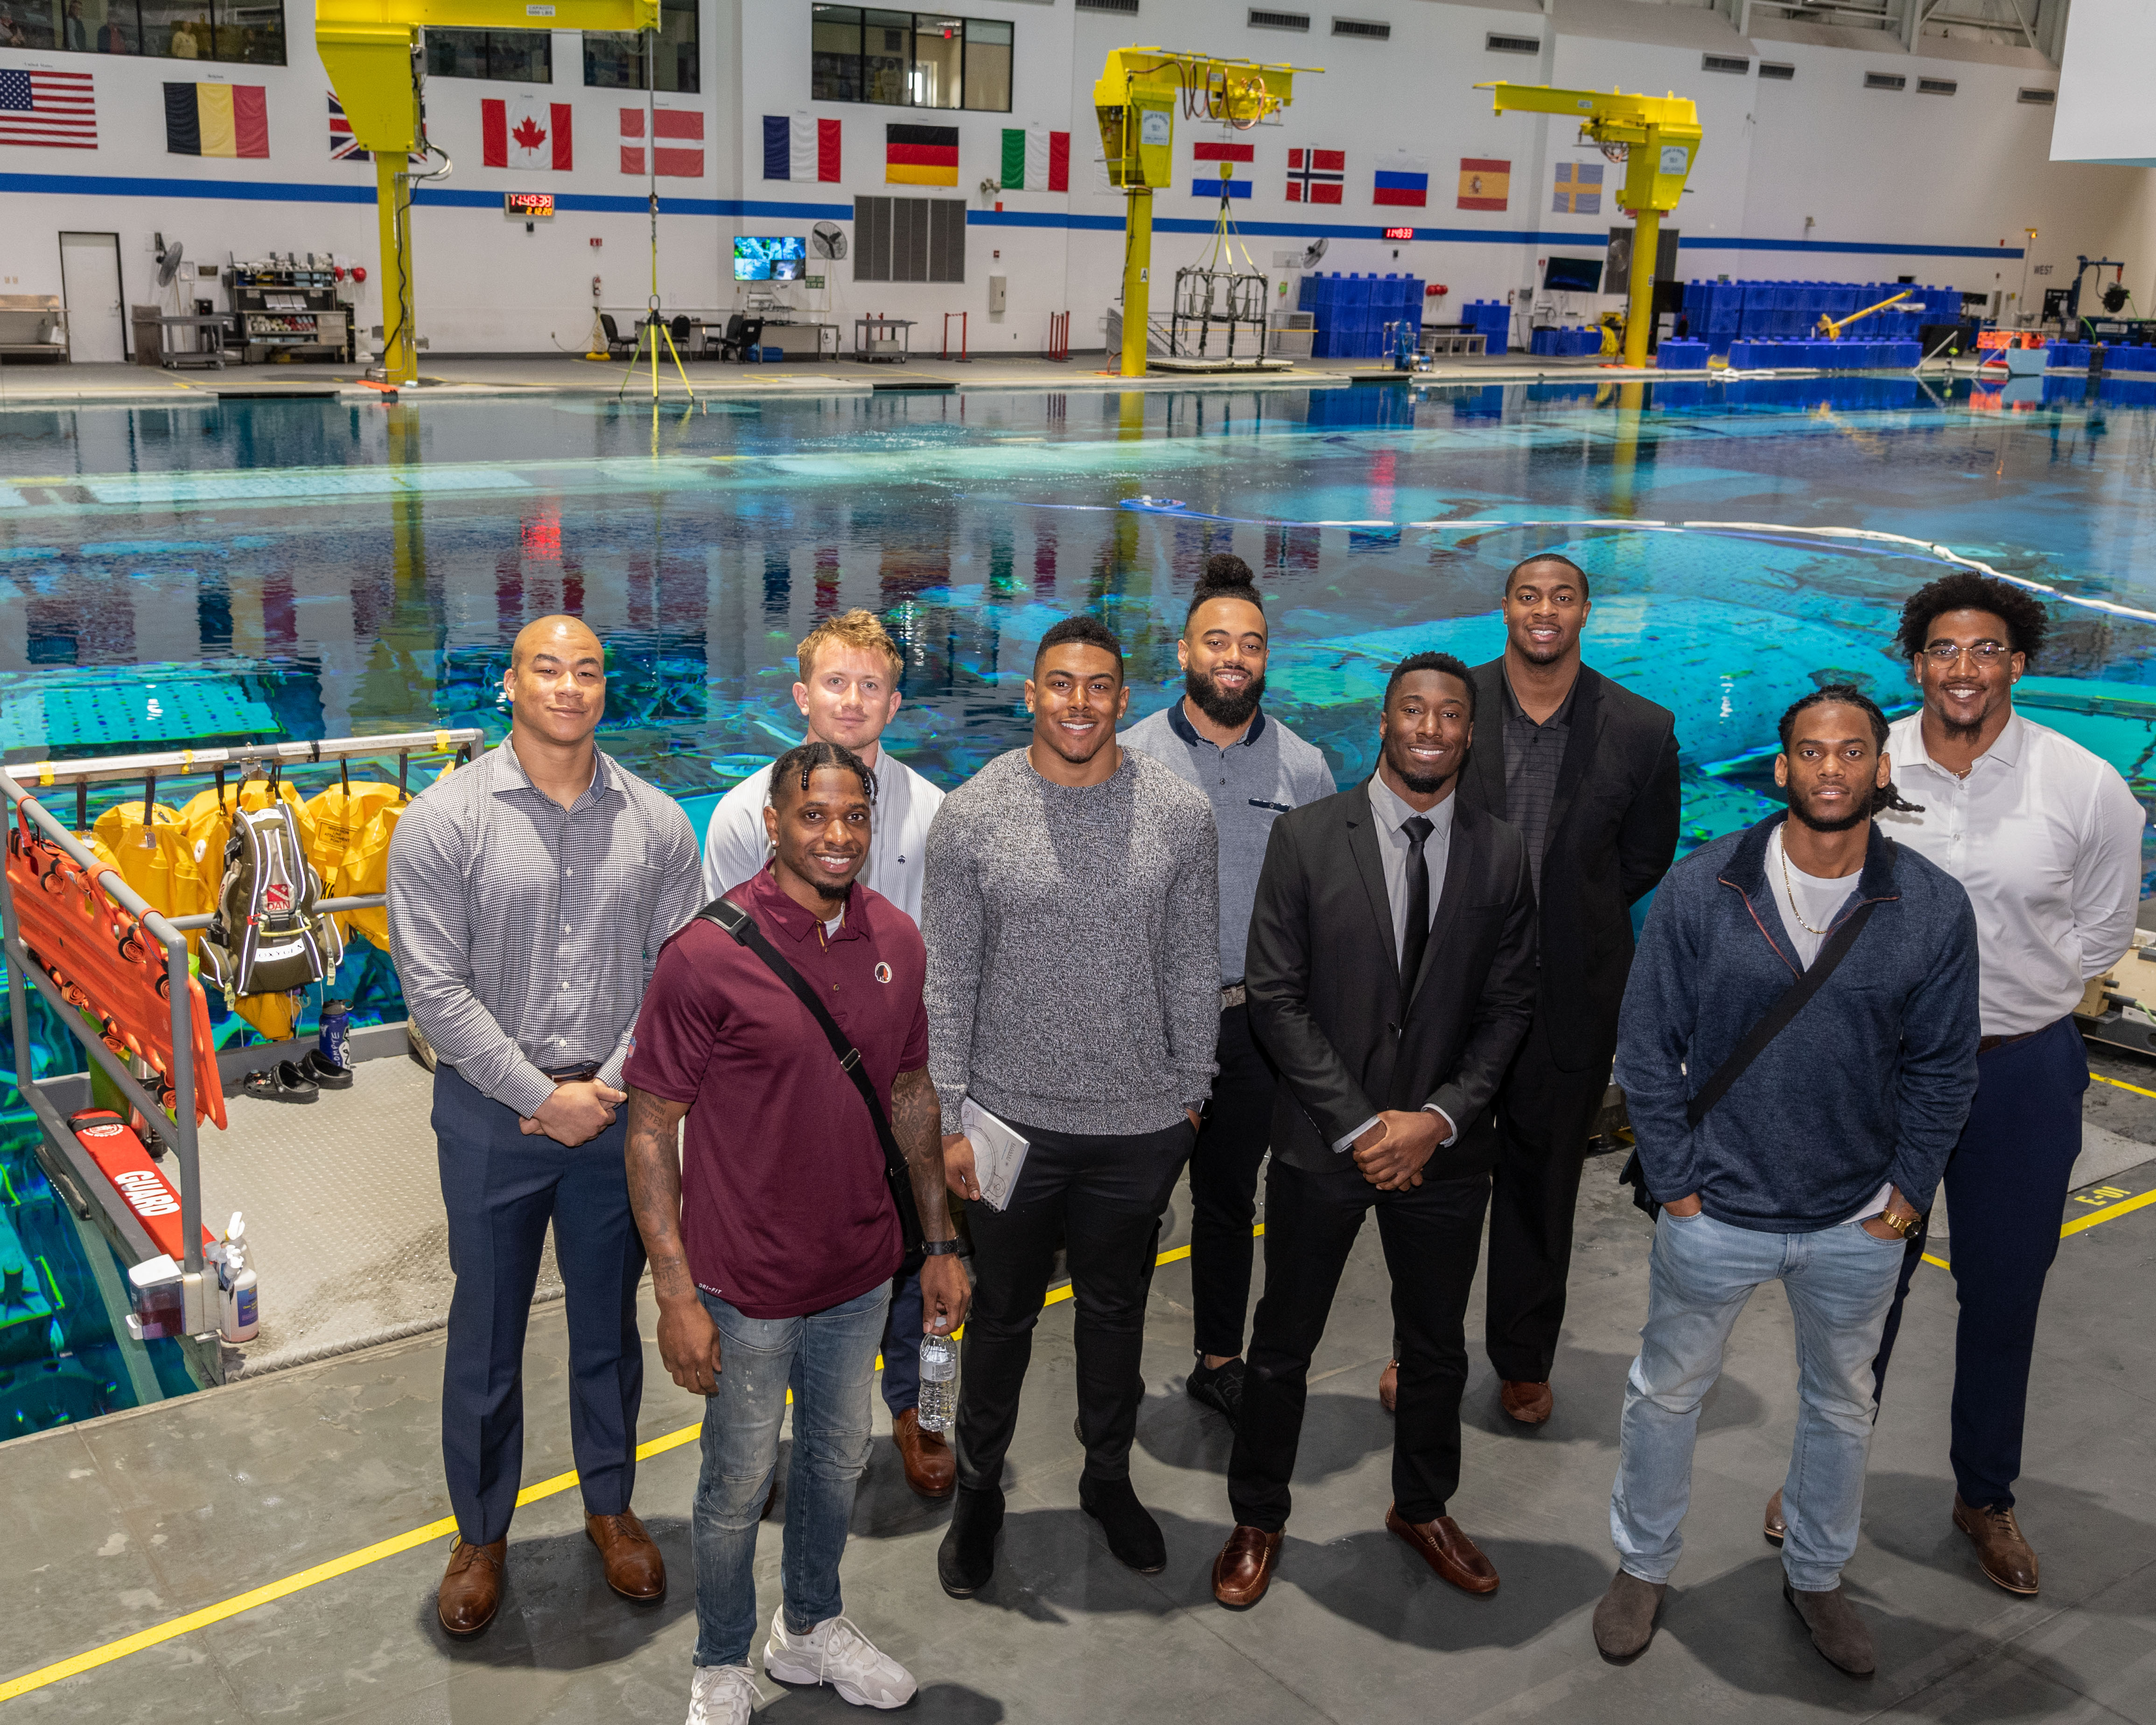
<point x="523" y="132"/>
<point x="1315" y="176"/>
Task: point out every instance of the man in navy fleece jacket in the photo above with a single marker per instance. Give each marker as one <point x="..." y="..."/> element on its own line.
<point x="1814" y="1163"/>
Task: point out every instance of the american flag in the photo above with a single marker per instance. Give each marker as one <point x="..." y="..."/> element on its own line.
<point x="56" y="110"/>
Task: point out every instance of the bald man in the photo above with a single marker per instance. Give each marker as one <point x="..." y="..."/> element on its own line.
<point x="529" y="895"/>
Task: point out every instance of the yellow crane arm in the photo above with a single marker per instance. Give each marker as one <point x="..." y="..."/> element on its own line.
<point x="1832" y="328"/>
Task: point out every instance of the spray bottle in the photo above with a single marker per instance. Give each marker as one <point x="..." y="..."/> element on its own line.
<point x="240" y="1318"/>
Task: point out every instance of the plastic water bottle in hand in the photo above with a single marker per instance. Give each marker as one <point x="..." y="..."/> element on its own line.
<point x="939" y="1383"/>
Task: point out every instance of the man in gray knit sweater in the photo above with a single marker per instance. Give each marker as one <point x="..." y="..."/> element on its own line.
<point x="1070" y="911"/>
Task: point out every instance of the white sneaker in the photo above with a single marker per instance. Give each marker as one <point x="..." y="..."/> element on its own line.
<point x="836" y="1653"/>
<point x="723" y="1694"/>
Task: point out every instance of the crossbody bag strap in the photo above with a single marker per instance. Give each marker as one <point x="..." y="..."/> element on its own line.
<point x="731" y="919"/>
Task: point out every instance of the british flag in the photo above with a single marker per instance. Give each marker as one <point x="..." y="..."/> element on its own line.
<point x="344" y="148"/>
<point x="1315" y="176"/>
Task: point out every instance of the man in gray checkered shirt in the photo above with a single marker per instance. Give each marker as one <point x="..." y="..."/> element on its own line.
<point x="529" y="895"/>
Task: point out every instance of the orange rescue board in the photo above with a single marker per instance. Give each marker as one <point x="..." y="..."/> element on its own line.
<point x="140" y="1181"/>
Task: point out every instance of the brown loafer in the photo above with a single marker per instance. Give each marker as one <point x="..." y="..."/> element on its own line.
<point x="1446" y="1550"/>
<point x="1244" y="1570"/>
<point x="2001" y="1552"/>
<point x="633" y="1568"/>
<point x="1388" y="1386"/>
<point x="1524" y="1404"/>
<point x="471" y="1591"/>
<point x="1774" y="1528"/>
<point x="930" y="1469"/>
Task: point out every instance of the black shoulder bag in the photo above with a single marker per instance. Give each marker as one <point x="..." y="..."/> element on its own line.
<point x="1771" y="1022"/>
<point x="725" y="914"/>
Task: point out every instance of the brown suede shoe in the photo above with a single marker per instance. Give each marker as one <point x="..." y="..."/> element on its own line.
<point x="470" y="1592"/>
<point x="1388" y="1386"/>
<point x="1524" y="1404"/>
<point x="1244" y="1570"/>
<point x="930" y="1469"/>
<point x="633" y="1568"/>
<point x="1774" y="1528"/>
<point x="2001" y="1552"/>
<point x="1446" y="1550"/>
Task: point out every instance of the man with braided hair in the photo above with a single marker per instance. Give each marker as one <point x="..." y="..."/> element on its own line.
<point x="1798" y="1050"/>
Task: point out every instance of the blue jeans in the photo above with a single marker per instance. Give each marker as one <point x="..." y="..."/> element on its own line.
<point x="828" y="1360"/>
<point x="1839" y="1281"/>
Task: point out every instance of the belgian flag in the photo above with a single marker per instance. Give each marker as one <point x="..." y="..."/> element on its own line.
<point x="216" y="120"/>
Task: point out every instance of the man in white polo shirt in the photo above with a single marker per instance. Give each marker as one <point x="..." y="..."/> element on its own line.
<point x="2046" y="838"/>
<point x="849" y="690"/>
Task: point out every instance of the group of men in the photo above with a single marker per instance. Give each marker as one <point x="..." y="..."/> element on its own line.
<point x="1181" y="946"/>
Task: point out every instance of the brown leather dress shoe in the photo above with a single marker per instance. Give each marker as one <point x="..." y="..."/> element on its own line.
<point x="1244" y="1570"/>
<point x="1524" y="1404"/>
<point x="1388" y="1386"/>
<point x="633" y="1568"/>
<point x="930" y="1469"/>
<point x="1774" y="1528"/>
<point x="1446" y="1550"/>
<point x="2001" y="1552"/>
<point x="470" y="1592"/>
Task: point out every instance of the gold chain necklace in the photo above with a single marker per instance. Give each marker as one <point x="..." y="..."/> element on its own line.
<point x="1789" y="887"/>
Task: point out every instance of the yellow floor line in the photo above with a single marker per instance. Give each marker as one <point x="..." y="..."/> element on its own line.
<point x="2121" y="1084"/>
<point x="395" y="1546"/>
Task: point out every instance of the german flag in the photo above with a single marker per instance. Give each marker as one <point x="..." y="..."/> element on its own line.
<point x="921" y="154"/>
<point x="216" y="120"/>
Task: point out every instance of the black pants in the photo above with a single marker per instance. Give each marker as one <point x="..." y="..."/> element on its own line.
<point x="1224" y="1186"/>
<point x="1101" y="1199"/>
<point x="2006" y="1183"/>
<point x="1432" y="1236"/>
<point x="1543" y="1118"/>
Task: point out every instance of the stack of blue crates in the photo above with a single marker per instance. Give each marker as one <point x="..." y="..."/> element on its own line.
<point x="1555" y="342"/>
<point x="1675" y="356"/>
<point x="1353" y="310"/>
<point x="1726" y="311"/>
<point x="1492" y="320"/>
<point x="1845" y="356"/>
<point x="2075" y="355"/>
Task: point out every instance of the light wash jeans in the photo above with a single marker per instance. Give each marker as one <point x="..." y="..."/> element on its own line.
<point x="828" y="1360"/>
<point x="1839" y="1281"/>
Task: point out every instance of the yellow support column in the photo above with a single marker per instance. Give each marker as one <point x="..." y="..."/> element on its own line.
<point x="400" y="360"/>
<point x="1138" y="262"/>
<point x="1640" y="309"/>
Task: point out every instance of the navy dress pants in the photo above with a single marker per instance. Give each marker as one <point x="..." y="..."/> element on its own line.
<point x="2006" y="1185"/>
<point x="502" y="1188"/>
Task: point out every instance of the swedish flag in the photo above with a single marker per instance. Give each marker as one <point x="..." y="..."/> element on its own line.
<point x="1578" y="189"/>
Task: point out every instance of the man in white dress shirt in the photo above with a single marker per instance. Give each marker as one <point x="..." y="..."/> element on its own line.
<point x="849" y="691"/>
<point x="2045" y="837"/>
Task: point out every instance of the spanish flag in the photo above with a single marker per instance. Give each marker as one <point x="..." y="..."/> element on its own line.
<point x="216" y="120"/>
<point x="1484" y="183"/>
<point x="921" y="154"/>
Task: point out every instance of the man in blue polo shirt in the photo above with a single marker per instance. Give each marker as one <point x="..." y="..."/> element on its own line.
<point x="1253" y="769"/>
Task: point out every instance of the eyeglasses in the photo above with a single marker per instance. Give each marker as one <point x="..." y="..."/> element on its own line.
<point x="1984" y="652"/>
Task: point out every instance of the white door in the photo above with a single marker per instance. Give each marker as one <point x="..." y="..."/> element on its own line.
<point x="89" y="278"/>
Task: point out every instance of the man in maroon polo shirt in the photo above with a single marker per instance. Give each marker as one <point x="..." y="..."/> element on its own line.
<point x="773" y="1237"/>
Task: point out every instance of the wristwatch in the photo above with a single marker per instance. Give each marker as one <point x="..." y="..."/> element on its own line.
<point x="1903" y="1225"/>
<point x="939" y="1248"/>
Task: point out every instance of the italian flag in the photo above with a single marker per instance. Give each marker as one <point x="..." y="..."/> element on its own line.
<point x="1036" y="159"/>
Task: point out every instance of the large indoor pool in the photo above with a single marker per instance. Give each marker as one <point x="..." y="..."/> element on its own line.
<point x="225" y="570"/>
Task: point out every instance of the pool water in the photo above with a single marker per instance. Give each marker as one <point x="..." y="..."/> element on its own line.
<point x="215" y="571"/>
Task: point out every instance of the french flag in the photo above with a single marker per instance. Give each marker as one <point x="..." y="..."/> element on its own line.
<point x="797" y="147"/>
<point x="1403" y="181"/>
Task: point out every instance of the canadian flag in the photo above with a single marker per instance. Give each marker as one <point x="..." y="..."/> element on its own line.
<point x="523" y="132"/>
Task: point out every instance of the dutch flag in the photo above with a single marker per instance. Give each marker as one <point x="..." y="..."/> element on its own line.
<point x="799" y="146"/>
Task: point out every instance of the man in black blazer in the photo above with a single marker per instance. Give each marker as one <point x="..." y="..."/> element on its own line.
<point x="1587" y="770"/>
<point x="1391" y="976"/>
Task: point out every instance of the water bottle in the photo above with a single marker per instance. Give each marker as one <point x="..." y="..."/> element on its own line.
<point x="939" y="1383"/>
<point x="333" y="1040"/>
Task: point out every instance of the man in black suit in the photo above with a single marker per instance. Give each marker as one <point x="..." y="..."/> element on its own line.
<point x="1391" y="976"/>
<point x="1587" y="770"/>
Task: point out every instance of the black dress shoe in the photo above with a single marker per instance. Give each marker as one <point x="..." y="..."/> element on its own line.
<point x="1133" y="1535"/>
<point x="966" y="1558"/>
<point x="1220" y="1387"/>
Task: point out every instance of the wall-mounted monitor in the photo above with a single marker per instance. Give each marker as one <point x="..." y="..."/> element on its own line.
<point x="781" y="257"/>
<point x="1571" y="275"/>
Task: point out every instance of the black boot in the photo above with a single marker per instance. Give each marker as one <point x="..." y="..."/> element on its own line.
<point x="968" y="1556"/>
<point x="1133" y="1535"/>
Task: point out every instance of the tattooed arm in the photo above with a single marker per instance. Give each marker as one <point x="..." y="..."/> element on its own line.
<point x="917" y="1122"/>
<point x="688" y="1339"/>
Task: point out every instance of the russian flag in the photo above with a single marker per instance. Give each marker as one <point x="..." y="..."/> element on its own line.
<point x="799" y="146"/>
<point x="1403" y="181"/>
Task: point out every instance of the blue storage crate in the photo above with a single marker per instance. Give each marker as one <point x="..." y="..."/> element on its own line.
<point x="1675" y="356"/>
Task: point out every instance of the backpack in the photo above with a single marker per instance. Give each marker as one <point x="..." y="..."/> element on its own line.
<point x="267" y="936"/>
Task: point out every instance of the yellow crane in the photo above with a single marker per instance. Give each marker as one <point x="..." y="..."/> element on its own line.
<point x="1136" y="102"/>
<point x="1659" y="137"/>
<point x="371" y="50"/>
<point x="1831" y="328"/>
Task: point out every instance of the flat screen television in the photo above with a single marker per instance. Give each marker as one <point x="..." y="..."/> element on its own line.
<point x="1564" y="275"/>
<point x="781" y="257"/>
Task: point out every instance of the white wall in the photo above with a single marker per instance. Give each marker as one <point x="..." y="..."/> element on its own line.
<point x="2105" y="112"/>
<point x="1884" y="175"/>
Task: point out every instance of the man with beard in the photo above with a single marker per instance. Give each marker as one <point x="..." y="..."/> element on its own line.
<point x="1071" y="915"/>
<point x="1798" y="1050"/>
<point x="1253" y="769"/>
<point x="1391" y="977"/>
<point x="2047" y="840"/>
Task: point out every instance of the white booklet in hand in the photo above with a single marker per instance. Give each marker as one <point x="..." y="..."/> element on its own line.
<point x="998" y="1152"/>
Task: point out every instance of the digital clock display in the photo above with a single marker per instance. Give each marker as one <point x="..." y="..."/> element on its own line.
<point x="1399" y="233"/>
<point x="527" y="204"/>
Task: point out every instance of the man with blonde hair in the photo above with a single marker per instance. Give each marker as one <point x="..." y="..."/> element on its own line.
<point x="850" y="671"/>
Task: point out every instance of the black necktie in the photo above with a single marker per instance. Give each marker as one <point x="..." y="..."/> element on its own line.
<point x="1417" y="827"/>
